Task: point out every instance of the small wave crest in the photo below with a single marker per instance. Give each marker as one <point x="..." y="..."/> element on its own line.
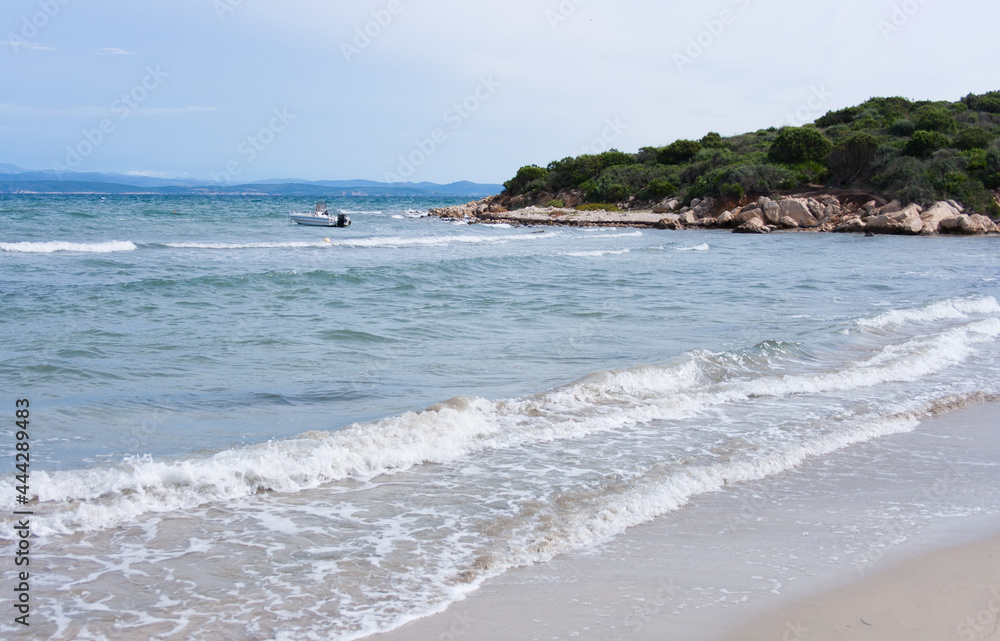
<point x="952" y="309"/>
<point x="60" y="246"/>
<point x="704" y="247"/>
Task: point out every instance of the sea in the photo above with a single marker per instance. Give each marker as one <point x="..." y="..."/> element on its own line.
<point x="243" y="428"/>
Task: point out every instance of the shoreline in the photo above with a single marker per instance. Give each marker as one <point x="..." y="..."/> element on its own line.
<point x="745" y="562"/>
<point x="807" y="212"/>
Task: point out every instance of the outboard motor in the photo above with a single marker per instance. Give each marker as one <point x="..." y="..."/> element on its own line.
<point x="343" y="220"/>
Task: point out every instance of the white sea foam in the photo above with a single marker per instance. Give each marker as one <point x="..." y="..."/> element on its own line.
<point x="98" y="498"/>
<point x="360" y="211"/>
<point x="697" y="248"/>
<point x="379" y="241"/>
<point x="627" y="234"/>
<point x="952" y="309"/>
<point x="60" y="246"/>
<point x="597" y="253"/>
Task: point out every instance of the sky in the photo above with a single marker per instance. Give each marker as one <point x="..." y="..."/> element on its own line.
<point x="447" y="90"/>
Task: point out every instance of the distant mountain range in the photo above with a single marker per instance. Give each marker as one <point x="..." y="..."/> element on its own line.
<point x="14" y="179"/>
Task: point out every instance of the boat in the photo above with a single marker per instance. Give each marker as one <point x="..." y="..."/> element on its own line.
<point x="322" y="217"/>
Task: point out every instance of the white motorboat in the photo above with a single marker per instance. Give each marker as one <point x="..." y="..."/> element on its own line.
<point x="322" y="217"/>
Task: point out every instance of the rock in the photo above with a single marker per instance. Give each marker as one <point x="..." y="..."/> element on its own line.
<point x="975" y="224"/>
<point x="669" y="223"/>
<point x="891" y="208"/>
<point x="753" y="226"/>
<point x="687" y="218"/>
<point x="788" y="222"/>
<point x="772" y="212"/>
<point x="831" y="201"/>
<point x="703" y="208"/>
<point x="936" y="215"/>
<point x="957" y="205"/>
<point x="669" y="204"/>
<point x="851" y="225"/>
<point x="871" y="205"/>
<point x="746" y="216"/>
<point x="903" y="222"/>
<point x="816" y="209"/>
<point x="708" y="221"/>
<point x="798" y="210"/>
<point x="725" y="219"/>
<point x="696" y="202"/>
<point x="763" y="200"/>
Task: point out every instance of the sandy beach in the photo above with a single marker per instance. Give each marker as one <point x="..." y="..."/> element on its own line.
<point x="779" y="558"/>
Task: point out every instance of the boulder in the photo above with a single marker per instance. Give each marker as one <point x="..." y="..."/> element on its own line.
<point x="747" y="215"/>
<point x="935" y="216"/>
<point x="703" y="208"/>
<point x="669" y="223"/>
<point x="798" y="210"/>
<point x="753" y="226"/>
<point x="687" y="218"/>
<point x="975" y="224"/>
<point x="891" y="208"/>
<point x="788" y="222"/>
<point x="851" y="225"/>
<point x="725" y="219"/>
<point x="669" y="204"/>
<point x="816" y="209"/>
<point x="772" y="212"/>
<point x="906" y="221"/>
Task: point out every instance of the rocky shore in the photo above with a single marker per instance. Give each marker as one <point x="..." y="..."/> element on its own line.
<point x="815" y="211"/>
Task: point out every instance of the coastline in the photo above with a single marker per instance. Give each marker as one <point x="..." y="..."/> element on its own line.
<point x="779" y="558"/>
<point x="850" y="212"/>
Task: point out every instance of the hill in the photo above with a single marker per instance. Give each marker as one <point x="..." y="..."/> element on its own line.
<point x="889" y="148"/>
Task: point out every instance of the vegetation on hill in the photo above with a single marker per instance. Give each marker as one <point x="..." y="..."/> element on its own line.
<point x="914" y="151"/>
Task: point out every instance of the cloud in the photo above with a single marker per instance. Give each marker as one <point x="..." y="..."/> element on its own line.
<point x="113" y="51"/>
<point x="24" y="44"/>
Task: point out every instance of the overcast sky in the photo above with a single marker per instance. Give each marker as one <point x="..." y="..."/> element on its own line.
<point x="447" y="90"/>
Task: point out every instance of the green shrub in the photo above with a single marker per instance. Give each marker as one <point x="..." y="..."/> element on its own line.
<point x="903" y="128"/>
<point x="852" y="159"/>
<point x="839" y="117"/>
<point x="993" y="159"/>
<point x="934" y="119"/>
<point x="660" y="188"/>
<point x="925" y="143"/>
<point x="557" y="203"/>
<point x="678" y="152"/>
<point x="974" y="138"/>
<point x="597" y="207"/>
<point x="712" y="140"/>
<point x="799" y="144"/>
<point x="989" y="102"/>
<point x="525" y="175"/>
<point x="889" y="108"/>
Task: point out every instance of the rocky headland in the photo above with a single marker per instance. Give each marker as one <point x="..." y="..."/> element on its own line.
<point x="850" y="212"/>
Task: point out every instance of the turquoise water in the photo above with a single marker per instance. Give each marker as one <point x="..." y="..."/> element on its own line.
<point x="403" y="408"/>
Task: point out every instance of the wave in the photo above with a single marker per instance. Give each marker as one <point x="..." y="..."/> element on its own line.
<point x="350" y="211"/>
<point x="697" y="382"/>
<point x="60" y="246"/>
<point x="597" y="253"/>
<point x="953" y="309"/>
<point x="375" y="241"/>
<point x="697" y="248"/>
